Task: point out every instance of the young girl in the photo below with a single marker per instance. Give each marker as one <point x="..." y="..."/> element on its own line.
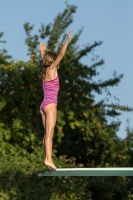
<point x="48" y="107"/>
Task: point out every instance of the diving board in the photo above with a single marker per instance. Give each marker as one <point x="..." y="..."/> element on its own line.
<point x="124" y="171"/>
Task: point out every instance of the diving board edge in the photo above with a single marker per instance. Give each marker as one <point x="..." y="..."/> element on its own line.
<point x="123" y="171"/>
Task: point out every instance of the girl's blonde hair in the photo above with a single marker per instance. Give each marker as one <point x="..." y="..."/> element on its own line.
<point x="48" y="59"/>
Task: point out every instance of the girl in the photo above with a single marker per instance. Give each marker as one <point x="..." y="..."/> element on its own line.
<point x="48" y="107"/>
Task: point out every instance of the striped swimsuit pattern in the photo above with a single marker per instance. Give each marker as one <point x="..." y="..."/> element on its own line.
<point x="50" y="89"/>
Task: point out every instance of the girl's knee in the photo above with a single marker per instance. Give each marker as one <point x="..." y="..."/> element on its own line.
<point x="49" y="130"/>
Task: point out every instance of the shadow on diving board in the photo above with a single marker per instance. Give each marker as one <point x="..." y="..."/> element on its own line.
<point x="88" y="172"/>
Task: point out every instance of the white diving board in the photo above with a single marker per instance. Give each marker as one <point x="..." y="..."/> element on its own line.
<point x="124" y="171"/>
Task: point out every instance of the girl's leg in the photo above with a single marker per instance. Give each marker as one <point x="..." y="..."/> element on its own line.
<point x="43" y="121"/>
<point x="51" y="115"/>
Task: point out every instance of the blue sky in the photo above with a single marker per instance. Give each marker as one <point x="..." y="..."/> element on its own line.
<point x="107" y="21"/>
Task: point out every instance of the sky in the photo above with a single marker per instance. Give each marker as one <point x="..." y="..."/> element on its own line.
<point x="107" y="21"/>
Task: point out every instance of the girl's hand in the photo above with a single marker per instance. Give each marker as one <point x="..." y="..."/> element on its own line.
<point x="69" y="35"/>
<point x="42" y="47"/>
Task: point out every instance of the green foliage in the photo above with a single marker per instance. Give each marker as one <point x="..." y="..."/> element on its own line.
<point x="4" y="57"/>
<point x="1" y="35"/>
<point x="86" y="131"/>
<point x="19" y="178"/>
<point x="20" y="94"/>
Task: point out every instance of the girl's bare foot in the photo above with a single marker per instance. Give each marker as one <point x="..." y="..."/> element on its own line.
<point x="50" y="165"/>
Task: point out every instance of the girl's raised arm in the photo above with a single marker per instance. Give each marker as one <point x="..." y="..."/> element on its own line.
<point x="42" y="49"/>
<point x="62" y="51"/>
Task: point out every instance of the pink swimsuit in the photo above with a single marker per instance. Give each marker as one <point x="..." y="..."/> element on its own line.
<point x="50" y="89"/>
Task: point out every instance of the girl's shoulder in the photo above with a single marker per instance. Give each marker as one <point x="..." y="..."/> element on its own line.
<point x="51" y="75"/>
